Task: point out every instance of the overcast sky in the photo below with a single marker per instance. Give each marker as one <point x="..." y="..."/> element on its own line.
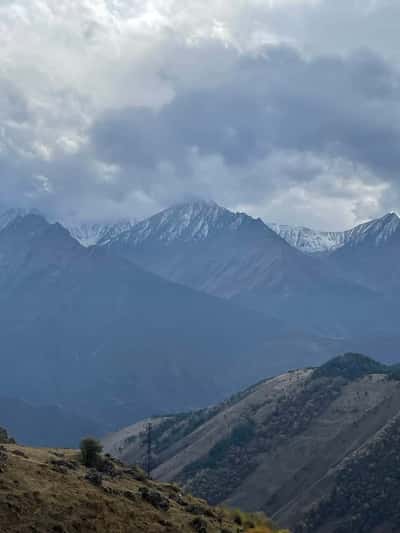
<point x="287" y="109"/>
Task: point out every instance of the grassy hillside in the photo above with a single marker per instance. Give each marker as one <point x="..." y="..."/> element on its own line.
<point x="278" y="445"/>
<point x="48" y="490"/>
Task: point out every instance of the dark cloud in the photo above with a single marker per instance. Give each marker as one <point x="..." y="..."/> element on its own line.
<point x="182" y="102"/>
<point x="342" y="107"/>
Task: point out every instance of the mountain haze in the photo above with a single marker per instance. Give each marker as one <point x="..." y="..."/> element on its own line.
<point x="96" y="334"/>
<point x="371" y="256"/>
<point x="45" y="425"/>
<point x="229" y="300"/>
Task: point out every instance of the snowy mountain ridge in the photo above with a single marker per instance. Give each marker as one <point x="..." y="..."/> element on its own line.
<point x="196" y="220"/>
<point x="308" y="240"/>
<point x="376" y="231"/>
<point x="92" y="233"/>
<point x="86" y="233"/>
<point x="186" y="222"/>
<point x="311" y="241"/>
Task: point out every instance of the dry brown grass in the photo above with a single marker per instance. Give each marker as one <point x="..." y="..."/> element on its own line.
<point x="252" y="522"/>
<point x="38" y="496"/>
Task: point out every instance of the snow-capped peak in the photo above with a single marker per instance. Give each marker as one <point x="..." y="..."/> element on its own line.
<point x="86" y="233"/>
<point x="187" y="222"/>
<point x="375" y="232"/>
<point x="311" y="241"/>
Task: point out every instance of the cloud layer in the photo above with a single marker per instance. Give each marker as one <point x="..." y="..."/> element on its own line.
<point x="117" y="108"/>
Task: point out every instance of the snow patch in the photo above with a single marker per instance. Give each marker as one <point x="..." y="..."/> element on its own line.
<point x="311" y="241"/>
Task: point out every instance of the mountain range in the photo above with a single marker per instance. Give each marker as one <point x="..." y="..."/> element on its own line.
<point x="316" y="448"/>
<point x="311" y="241"/>
<point x="303" y="238"/>
<point x="234" y="256"/>
<point x="94" y="334"/>
<point x="371" y="257"/>
<point x="179" y="310"/>
<point x="308" y="240"/>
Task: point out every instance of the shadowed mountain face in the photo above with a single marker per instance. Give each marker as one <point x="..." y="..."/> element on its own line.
<point x="99" y="336"/>
<point x="206" y="247"/>
<point x="234" y="256"/>
<point x="367" y="255"/>
<point x="315" y="448"/>
<point x="372" y="257"/>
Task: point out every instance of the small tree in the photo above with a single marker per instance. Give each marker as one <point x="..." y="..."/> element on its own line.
<point x="90" y="451"/>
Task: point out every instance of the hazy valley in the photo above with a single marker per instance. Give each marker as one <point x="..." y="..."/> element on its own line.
<point x="233" y="305"/>
<point x="231" y="301"/>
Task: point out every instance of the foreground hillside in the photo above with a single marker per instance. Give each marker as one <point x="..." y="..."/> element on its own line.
<point x="306" y="447"/>
<point x="48" y="490"/>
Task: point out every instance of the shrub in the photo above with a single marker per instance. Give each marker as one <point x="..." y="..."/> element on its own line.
<point x="350" y="366"/>
<point x="4" y="438"/>
<point x="90" y="452"/>
<point x="251" y="522"/>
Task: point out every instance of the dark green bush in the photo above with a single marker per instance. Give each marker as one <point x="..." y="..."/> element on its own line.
<point x="90" y="452"/>
<point x="350" y="366"/>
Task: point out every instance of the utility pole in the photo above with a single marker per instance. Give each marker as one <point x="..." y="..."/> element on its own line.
<point x="149" y="430"/>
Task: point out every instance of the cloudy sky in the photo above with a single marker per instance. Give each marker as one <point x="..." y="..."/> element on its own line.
<point x="288" y="109"/>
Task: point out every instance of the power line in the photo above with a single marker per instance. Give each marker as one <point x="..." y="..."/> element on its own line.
<point x="149" y="431"/>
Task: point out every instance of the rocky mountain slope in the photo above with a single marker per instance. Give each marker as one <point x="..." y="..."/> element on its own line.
<point x="90" y="234"/>
<point x="285" y="446"/>
<point x="205" y="246"/>
<point x="312" y="241"/>
<point x="308" y="240"/>
<point x="371" y="257"/>
<point x="48" y="490"/>
<point x="234" y="256"/>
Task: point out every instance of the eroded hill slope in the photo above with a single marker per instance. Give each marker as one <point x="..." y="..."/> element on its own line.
<point x="279" y="446"/>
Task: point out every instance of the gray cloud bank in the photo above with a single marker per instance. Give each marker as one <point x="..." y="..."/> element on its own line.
<point x="130" y="112"/>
